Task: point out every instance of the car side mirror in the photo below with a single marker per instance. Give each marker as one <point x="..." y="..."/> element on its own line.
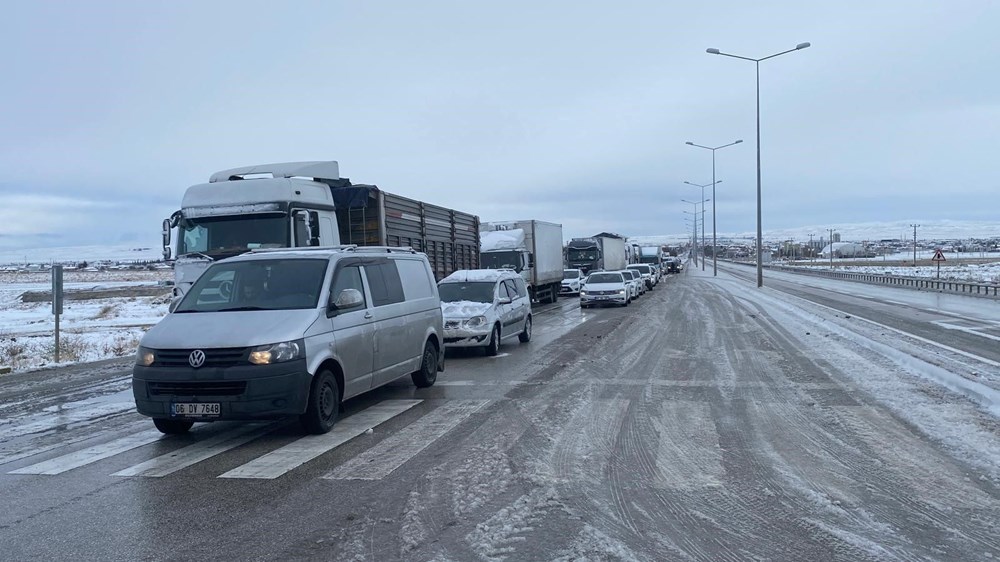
<point x="347" y="299"/>
<point x="505" y="300"/>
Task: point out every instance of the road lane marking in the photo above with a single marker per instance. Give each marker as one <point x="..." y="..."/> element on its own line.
<point x="91" y="455"/>
<point x="967" y="329"/>
<point x="301" y="451"/>
<point x="391" y="453"/>
<point x="197" y="452"/>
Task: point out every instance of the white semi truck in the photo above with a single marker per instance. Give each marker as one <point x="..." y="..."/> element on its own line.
<point x="297" y="204"/>
<point x="532" y="248"/>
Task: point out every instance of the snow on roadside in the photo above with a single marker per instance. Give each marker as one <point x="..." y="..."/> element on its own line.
<point x="968" y="272"/>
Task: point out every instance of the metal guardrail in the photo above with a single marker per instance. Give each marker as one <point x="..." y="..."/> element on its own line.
<point x="918" y="283"/>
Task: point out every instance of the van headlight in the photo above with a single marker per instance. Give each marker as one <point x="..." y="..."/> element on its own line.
<point x="277" y="352"/>
<point x="474" y="322"/>
<point x="144" y="357"/>
<point x="621" y="291"/>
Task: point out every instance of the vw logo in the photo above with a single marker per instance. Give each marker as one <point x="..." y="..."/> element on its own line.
<point x="197" y="358"/>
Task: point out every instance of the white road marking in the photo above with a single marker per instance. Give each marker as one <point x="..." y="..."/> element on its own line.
<point x="91" y="455"/>
<point x="297" y="453"/>
<point x="966" y="329"/>
<point x="382" y="459"/>
<point x="197" y="452"/>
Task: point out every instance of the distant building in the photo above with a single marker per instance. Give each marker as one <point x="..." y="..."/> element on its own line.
<point x="836" y="237"/>
<point x="845" y="250"/>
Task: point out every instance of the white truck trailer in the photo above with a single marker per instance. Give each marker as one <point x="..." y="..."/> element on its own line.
<point x="532" y="248"/>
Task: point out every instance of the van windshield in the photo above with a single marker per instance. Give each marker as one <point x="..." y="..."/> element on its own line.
<point x="274" y="284"/>
<point x="472" y="292"/>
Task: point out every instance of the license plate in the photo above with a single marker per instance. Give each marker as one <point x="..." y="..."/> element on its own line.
<point x="601" y="298"/>
<point x="196" y="409"/>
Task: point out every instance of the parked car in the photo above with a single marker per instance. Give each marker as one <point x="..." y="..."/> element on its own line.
<point x="275" y="333"/>
<point x="484" y="307"/>
<point x="572" y="281"/>
<point x="605" y="287"/>
<point x="647" y="274"/>
<point x="635" y="283"/>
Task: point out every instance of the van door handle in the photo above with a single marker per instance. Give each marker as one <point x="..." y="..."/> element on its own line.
<point x="369" y="315"/>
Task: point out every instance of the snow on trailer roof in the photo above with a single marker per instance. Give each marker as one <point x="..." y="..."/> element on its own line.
<point x="327" y="170"/>
<point x="479" y="275"/>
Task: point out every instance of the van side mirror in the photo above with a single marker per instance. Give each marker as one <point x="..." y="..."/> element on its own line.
<point x="173" y="304"/>
<point x="346" y="300"/>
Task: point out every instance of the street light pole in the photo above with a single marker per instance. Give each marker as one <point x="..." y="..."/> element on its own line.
<point x="703" y="217"/>
<point x="800" y="46"/>
<point x="715" y="247"/>
<point x="812" y="249"/>
<point x="831" y="247"/>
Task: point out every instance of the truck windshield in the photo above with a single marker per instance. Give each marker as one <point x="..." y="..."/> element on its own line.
<point x="220" y="237"/>
<point x="274" y="284"/>
<point x="581" y="255"/>
<point x="501" y="260"/>
<point x="473" y="292"/>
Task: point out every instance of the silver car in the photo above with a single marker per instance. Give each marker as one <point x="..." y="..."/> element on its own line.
<point x="484" y="307"/>
<point x="291" y="332"/>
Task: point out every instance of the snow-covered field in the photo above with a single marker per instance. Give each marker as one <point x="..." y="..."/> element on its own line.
<point x="954" y="271"/>
<point x="74" y="254"/>
<point x="90" y="329"/>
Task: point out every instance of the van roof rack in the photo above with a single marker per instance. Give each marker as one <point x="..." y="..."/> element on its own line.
<point x="342" y="247"/>
<point x="387" y="249"/>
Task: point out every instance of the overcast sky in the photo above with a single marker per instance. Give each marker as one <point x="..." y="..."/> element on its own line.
<point x="570" y="112"/>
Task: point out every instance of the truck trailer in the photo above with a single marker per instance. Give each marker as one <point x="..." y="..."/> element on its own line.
<point x="532" y="248"/>
<point x="297" y="204"/>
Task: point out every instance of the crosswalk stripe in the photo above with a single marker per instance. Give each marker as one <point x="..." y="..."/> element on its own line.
<point x="381" y="460"/>
<point x="301" y="451"/>
<point x="197" y="452"/>
<point x="90" y="455"/>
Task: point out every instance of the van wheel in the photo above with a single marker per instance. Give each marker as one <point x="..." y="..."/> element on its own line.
<point x="324" y="404"/>
<point x="428" y="372"/>
<point x="172" y="427"/>
<point x="525" y="336"/>
<point x="493" y="347"/>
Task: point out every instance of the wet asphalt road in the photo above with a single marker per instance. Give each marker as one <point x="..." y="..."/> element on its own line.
<point x="692" y="425"/>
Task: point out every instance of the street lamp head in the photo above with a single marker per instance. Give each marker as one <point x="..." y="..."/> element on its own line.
<point x="689" y="142"/>
<point x="738" y="142"/>
<point x="712" y="51"/>
<point x="802" y="46"/>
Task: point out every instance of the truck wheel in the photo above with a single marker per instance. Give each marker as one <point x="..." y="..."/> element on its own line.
<point x="428" y="372"/>
<point x="324" y="404"/>
<point x="494" y="346"/>
<point x="172" y="427"/>
<point x="525" y="336"/>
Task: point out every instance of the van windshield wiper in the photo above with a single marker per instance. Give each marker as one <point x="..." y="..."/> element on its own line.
<point x="241" y="308"/>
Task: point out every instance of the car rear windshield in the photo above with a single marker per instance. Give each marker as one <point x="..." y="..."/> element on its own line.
<point x="605" y="278"/>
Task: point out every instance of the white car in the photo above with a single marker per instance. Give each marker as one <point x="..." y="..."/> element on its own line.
<point x="484" y="307"/>
<point x="647" y="273"/>
<point x="634" y="282"/>
<point x="572" y="282"/>
<point x="605" y="287"/>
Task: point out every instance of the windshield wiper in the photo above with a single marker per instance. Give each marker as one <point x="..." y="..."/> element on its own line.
<point x="196" y="255"/>
<point x="241" y="309"/>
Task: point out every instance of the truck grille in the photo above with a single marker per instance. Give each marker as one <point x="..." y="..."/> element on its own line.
<point x="227" y="357"/>
<point x="198" y="388"/>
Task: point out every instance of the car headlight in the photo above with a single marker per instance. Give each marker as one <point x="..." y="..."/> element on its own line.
<point x="277" y="352"/>
<point x="583" y="293"/>
<point x="144" y="357"/>
<point x="474" y="322"/>
<point x="621" y="291"/>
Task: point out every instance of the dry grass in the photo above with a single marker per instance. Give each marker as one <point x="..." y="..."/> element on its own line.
<point x="121" y="346"/>
<point x="13" y="353"/>
<point x="107" y="311"/>
<point x="71" y="348"/>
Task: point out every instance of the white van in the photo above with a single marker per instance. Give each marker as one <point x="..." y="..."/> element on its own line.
<point x="287" y="332"/>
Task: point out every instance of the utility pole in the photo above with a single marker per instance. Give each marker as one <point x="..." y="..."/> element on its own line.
<point x="914" y="244"/>
<point x="812" y="249"/>
<point x="831" y="247"/>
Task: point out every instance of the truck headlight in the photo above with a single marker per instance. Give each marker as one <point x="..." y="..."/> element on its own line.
<point x="475" y="322"/>
<point x="144" y="357"/>
<point x="277" y="352"/>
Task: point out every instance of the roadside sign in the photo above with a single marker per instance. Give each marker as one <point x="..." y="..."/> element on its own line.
<point x="57" y="289"/>
<point x="938" y="255"/>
